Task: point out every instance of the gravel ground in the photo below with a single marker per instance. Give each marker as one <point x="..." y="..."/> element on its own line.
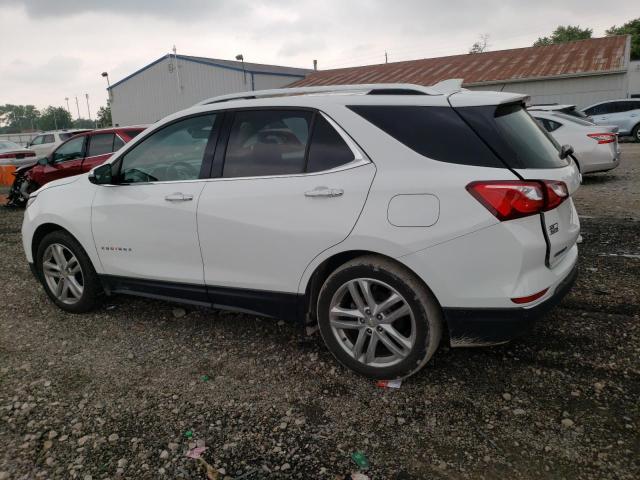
<point x="118" y="393"/>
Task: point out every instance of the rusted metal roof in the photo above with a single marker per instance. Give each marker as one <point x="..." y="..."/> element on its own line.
<point x="583" y="57"/>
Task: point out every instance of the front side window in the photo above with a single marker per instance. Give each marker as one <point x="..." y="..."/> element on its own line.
<point x="267" y="142"/>
<point x="100" y="144"/>
<point x="38" y="140"/>
<point x="172" y="153"/>
<point x="48" y="139"/>
<point x="71" y="150"/>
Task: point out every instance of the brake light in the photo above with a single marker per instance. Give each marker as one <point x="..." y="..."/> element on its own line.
<point x="510" y="199"/>
<point x="603" y="137"/>
<point x="17" y="155"/>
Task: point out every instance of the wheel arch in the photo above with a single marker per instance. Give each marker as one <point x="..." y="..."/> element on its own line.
<point x="331" y="263"/>
<point x="41" y="232"/>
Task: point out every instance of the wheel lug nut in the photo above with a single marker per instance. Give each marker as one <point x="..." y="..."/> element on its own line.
<point x="379" y="329"/>
<point x="361" y="320"/>
<point x="367" y="311"/>
<point x="379" y="316"/>
<point x="369" y="331"/>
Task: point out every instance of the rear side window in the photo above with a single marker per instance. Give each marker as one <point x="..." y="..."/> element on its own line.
<point x="132" y="133"/>
<point x="100" y="144"/>
<point x="118" y="143"/>
<point x="328" y="149"/>
<point x="64" y="136"/>
<point x="435" y="132"/>
<point x="548" y="125"/>
<point x="267" y="142"/>
<point x="48" y="139"/>
<point x="514" y="135"/>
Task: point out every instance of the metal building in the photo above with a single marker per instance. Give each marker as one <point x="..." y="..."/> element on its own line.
<point x="174" y="82"/>
<point x="583" y="72"/>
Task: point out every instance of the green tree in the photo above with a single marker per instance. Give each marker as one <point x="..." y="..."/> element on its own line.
<point x="18" y="118"/>
<point x="563" y="34"/>
<point x="84" y="123"/>
<point x="53" y="118"/>
<point x="632" y="28"/>
<point x="104" y="116"/>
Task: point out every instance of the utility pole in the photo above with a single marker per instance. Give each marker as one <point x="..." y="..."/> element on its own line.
<point x="68" y="109"/>
<point x="78" y="107"/>
<point x="386" y="57"/>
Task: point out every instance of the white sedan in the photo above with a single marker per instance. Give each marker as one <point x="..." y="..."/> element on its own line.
<point x="595" y="146"/>
<point x="13" y="154"/>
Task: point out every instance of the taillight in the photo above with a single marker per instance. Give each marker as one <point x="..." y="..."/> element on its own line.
<point x="510" y="199"/>
<point x="557" y="193"/>
<point x="17" y="155"/>
<point x="603" y="137"/>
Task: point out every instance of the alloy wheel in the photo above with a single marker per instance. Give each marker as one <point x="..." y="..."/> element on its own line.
<point x="63" y="273"/>
<point x="372" y="322"/>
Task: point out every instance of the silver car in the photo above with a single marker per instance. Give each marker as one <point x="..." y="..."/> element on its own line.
<point x="595" y="147"/>
<point x="624" y="113"/>
<point x="14" y="155"/>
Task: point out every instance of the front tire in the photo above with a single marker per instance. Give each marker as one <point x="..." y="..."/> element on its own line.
<point x="67" y="274"/>
<point x="636" y="133"/>
<point x="378" y="319"/>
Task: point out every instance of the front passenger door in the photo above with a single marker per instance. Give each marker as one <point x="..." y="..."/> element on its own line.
<point x="144" y="226"/>
<point x="66" y="160"/>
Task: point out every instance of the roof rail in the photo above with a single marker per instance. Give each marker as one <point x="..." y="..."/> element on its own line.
<point x="447" y="86"/>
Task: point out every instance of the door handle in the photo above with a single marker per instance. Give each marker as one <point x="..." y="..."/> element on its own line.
<point x="324" y="192"/>
<point x="178" y="197"/>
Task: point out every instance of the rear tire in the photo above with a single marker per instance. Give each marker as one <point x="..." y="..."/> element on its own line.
<point x="378" y="319"/>
<point x="67" y="274"/>
<point x="636" y="133"/>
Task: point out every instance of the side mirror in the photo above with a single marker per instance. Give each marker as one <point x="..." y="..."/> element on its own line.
<point x="43" y="161"/>
<point x="102" y="175"/>
<point x="565" y="151"/>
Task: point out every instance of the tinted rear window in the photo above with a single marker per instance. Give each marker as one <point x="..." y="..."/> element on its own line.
<point x="514" y="135"/>
<point x="435" y="132"/>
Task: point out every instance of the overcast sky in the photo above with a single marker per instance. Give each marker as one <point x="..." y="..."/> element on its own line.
<point x="56" y="49"/>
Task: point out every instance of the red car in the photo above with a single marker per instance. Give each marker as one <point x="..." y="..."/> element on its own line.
<point x="77" y="155"/>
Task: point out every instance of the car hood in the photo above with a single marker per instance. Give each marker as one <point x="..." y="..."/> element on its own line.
<point x="60" y="182"/>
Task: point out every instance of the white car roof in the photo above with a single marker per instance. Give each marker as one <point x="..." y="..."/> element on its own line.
<point x="439" y="94"/>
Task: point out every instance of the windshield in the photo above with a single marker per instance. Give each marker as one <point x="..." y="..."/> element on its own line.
<point x="514" y="135"/>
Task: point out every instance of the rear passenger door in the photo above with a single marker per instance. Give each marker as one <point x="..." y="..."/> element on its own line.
<point x="288" y="185"/>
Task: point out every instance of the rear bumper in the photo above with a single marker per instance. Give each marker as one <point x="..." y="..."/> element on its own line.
<point x="492" y="326"/>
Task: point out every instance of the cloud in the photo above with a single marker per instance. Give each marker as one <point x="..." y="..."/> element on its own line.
<point x="57" y="49"/>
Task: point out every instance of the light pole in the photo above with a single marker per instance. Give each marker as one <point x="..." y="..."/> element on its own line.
<point x="68" y="109"/>
<point x="78" y="107"/>
<point x="240" y="57"/>
<point x="86" y="95"/>
<point x="109" y="95"/>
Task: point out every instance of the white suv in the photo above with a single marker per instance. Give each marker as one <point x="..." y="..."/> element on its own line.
<point x="391" y="215"/>
<point x="45" y="143"/>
